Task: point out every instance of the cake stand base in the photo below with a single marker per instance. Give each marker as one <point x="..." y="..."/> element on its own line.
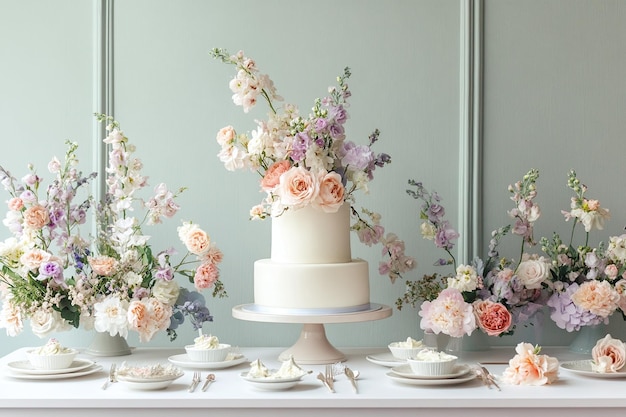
<point x="313" y="348"/>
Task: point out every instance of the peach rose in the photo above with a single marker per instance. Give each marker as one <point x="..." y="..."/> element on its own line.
<point x="493" y="318"/>
<point x="102" y="265"/>
<point x="137" y="315"/>
<point x="330" y="196"/>
<point x="33" y="258"/>
<point x="15" y="204"/>
<point x="533" y="272"/>
<point x="206" y="275"/>
<point x="197" y="241"/>
<point x="36" y="217"/>
<point x="273" y="173"/>
<point x="598" y="297"/>
<point x="226" y="135"/>
<point x="298" y="187"/>
<point x="609" y="355"/>
<point x="530" y="368"/>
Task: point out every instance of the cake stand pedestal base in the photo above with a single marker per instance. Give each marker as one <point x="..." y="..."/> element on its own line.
<point x="313" y="348"/>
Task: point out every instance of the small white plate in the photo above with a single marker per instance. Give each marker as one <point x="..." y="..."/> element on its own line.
<point x="583" y="367"/>
<point x="431" y="382"/>
<point x="86" y="371"/>
<point x="184" y="361"/>
<point x="406" y="372"/>
<point x="385" y="359"/>
<point x="148" y="384"/>
<point x="25" y="367"/>
<point x="272" y="384"/>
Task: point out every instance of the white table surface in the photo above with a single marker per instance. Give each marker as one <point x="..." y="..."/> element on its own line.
<point x="378" y="395"/>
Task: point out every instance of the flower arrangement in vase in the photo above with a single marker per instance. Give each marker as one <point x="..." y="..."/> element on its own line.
<point x="494" y="295"/>
<point x="306" y="161"/>
<point x="61" y="279"/>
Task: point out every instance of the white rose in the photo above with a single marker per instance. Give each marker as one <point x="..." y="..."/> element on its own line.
<point x="43" y="322"/>
<point x="428" y="231"/>
<point x="533" y="272"/>
<point x="166" y="291"/>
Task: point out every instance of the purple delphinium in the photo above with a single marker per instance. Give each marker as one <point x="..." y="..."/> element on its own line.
<point x="301" y="144"/>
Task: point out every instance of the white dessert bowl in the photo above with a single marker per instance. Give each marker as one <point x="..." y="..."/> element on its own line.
<point x="217" y="354"/>
<point x="51" y="361"/>
<point x="407" y="349"/>
<point x="432" y="363"/>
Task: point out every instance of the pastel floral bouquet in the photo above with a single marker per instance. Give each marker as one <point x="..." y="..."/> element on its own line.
<point x="494" y="295"/>
<point x="588" y="284"/>
<point x="60" y="279"/>
<point x="305" y="160"/>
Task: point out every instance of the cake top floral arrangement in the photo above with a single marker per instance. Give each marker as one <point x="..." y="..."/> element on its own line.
<point x="588" y="284"/>
<point x="60" y="279"/>
<point x="494" y="295"/>
<point x="305" y="160"/>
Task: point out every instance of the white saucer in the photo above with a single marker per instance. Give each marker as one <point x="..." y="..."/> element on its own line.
<point x="148" y="384"/>
<point x="583" y="367"/>
<point x="25" y="367"/>
<point x="90" y="370"/>
<point x="184" y="361"/>
<point x="385" y="359"/>
<point x="431" y="382"/>
<point x="406" y="372"/>
<point x="272" y="384"/>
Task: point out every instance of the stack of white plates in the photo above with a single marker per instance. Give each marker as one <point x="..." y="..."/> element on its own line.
<point x="404" y="375"/>
<point x="79" y="367"/>
<point x="184" y="361"/>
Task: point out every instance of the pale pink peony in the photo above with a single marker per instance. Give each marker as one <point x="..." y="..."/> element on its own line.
<point x="197" y="241"/>
<point x="598" y="297"/>
<point x="206" y="275"/>
<point x="609" y="355"/>
<point x="530" y="368"/>
<point x="273" y="173"/>
<point x="102" y="265"/>
<point x="36" y="217"/>
<point x="15" y="204"/>
<point x="448" y="314"/>
<point x="493" y="318"/>
<point x="226" y="135"/>
<point x="298" y="187"/>
<point x="331" y="193"/>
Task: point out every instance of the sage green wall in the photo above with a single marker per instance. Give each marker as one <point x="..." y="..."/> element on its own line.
<point x="171" y="99"/>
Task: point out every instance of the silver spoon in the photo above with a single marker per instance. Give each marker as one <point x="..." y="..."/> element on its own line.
<point x="209" y="378"/>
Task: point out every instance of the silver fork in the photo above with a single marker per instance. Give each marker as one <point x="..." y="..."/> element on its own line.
<point x="330" y="377"/>
<point x="195" y="381"/>
<point x="112" y="378"/>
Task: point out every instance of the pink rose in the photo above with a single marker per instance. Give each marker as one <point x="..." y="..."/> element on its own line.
<point x="493" y="318"/>
<point x="598" y="297"/>
<point x="530" y="368"/>
<point x="611" y="271"/>
<point x="102" y="265"/>
<point x="226" y="135"/>
<point x="331" y="193"/>
<point x="36" y="217"/>
<point x="197" y="241"/>
<point x="15" y="204"/>
<point x="206" y="275"/>
<point x="273" y="173"/>
<point x="298" y="187"/>
<point x="32" y="259"/>
<point x="609" y="355"/>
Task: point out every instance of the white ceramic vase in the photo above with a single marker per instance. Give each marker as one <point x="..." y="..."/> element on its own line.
<point x="103" y="344"/>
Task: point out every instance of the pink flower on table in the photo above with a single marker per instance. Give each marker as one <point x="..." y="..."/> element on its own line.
<point x="272" y="176"/>
<point x="298" y="187"/>
<point x="331" y="192"/>
<point x="598" y="297"/>
<point x="493" y="318"/>
<point x="448" y="314"/>
<point x="528" y="367"/>
<point x="609" y="355"/>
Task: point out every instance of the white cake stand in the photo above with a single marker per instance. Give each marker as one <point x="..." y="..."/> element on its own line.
<point x="312" y="347"/>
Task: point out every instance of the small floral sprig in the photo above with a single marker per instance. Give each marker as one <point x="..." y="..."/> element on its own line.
<point x="306" y="160"/>
<point x="494" y="295"/>
<point x="529" y="367"/>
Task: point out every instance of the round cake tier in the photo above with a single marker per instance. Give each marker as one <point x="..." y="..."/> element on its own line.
<point x="323" y="288"/>
<point x="311" y="236"/>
